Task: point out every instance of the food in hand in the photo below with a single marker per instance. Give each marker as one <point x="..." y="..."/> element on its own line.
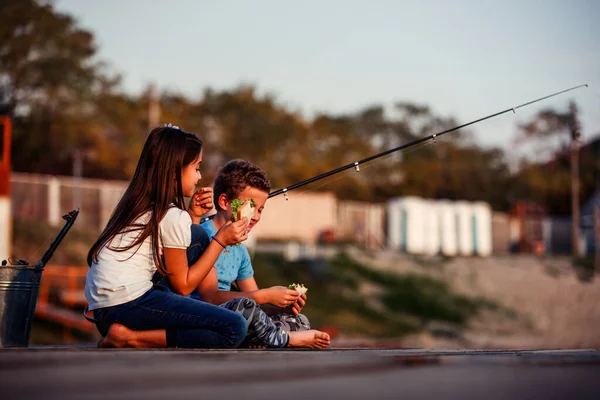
<point x="300" y="288"/>
<point x="242" y="209"/>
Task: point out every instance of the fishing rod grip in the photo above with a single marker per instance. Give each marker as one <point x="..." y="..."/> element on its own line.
<point x="70" y="218"/>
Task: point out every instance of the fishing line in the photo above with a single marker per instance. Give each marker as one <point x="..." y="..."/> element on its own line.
<point x="357" y="164"/>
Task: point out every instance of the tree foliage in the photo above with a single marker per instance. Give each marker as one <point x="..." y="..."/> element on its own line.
<point x="63" y="99"/>
<point x="549" y="182"/>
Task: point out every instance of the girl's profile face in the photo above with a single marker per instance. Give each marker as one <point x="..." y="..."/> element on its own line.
<point x="190" y="175"/>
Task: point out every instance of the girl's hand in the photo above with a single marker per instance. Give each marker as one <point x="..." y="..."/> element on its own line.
<point x="233" y="232"/>
<point x="299" y="304"/>
<point x="201" y="202"/>
<point x="280" y="296"/>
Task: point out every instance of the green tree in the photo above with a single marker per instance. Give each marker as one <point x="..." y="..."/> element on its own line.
<point x="47" y="83"/>
<point x="256" y="128"/>
<point x="547" y="179"/>
<point x="44" y="56"/>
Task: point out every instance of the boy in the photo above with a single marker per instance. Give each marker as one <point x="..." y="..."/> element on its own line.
<point x="243" y="180"/>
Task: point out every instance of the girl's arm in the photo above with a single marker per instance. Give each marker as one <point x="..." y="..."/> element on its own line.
<point x="200" y="203"/>
<point x="184" y="279"/>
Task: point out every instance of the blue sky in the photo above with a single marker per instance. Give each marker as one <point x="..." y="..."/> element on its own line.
<point x="463" y="58"/>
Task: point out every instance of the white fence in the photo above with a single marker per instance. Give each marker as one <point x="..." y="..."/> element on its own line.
<point x="48" y="197"/>
<point x="305" y="217"/>
<point x="409" y="224"/>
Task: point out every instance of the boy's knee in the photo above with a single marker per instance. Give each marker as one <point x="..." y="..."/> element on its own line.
<point x="294" y="322"/>
<point x="242" y="303"/>
<point x="248" y="303"/>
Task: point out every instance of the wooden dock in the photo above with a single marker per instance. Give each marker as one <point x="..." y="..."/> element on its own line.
<point x="90" y="373"/>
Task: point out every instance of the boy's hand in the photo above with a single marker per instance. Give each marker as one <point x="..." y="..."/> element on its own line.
<point x="299" y="304"/>
<point x="233" y="232"/>
<point x="201" y="202"/>
<point x="281" y="296"/>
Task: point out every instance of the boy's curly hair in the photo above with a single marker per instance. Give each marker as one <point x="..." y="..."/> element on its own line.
<point x="236" y="176"/>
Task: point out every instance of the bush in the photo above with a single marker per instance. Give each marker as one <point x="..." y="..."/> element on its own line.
<point x="398" y="305"/>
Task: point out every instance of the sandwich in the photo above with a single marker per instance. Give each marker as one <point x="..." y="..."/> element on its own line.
<point x="298" y="288"/>
<point x="242" y="209"/>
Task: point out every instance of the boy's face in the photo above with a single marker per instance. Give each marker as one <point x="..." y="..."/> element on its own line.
<point x="260" y="198"/>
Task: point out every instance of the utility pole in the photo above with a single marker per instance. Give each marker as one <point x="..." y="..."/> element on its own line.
<point x="78" y="156"/>
<point x="153" y="107"/>
<point x="575" y="135"/>
<point x="596" y="214"/>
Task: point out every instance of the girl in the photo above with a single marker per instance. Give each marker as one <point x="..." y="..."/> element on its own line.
<point x="150" y="230"/>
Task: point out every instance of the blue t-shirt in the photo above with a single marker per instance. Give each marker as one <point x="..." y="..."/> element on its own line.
<point x="233" y="263"/>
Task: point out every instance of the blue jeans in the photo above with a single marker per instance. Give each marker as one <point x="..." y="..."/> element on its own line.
<point x="189" y="323"/>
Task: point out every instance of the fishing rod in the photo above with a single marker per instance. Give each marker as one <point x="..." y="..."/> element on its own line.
<point x="356" y="164"/>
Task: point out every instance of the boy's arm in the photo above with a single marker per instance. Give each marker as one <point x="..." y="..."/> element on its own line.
<point x="209" y="290"/>
<point x="272" y="300"/>
<point x="277" y="295"/>
<point x="247" y="285"/>
<point x="295" y="308"/>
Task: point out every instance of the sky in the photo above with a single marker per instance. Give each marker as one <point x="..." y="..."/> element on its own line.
<point x="463" y="58"/>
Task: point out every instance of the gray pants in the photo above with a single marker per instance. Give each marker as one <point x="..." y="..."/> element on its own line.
<point x="291" y="322"/>
<point x="265" y="330"/>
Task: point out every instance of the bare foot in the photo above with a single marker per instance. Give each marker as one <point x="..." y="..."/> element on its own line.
<point x="118" y="336"/>
<point x="311" y="339"/>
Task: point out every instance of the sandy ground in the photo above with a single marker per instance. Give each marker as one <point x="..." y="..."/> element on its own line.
<point x="544" y="304"/>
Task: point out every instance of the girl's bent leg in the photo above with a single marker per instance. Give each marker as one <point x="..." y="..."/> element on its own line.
<point x="188" y="323"/>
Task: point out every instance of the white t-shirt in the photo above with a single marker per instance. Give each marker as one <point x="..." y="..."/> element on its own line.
<point x="120" y="277"/>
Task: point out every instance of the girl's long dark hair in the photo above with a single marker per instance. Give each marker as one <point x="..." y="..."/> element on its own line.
<point x="154" y="187"/>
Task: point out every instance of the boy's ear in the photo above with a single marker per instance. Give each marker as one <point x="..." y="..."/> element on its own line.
<point x="222" y="201"/>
